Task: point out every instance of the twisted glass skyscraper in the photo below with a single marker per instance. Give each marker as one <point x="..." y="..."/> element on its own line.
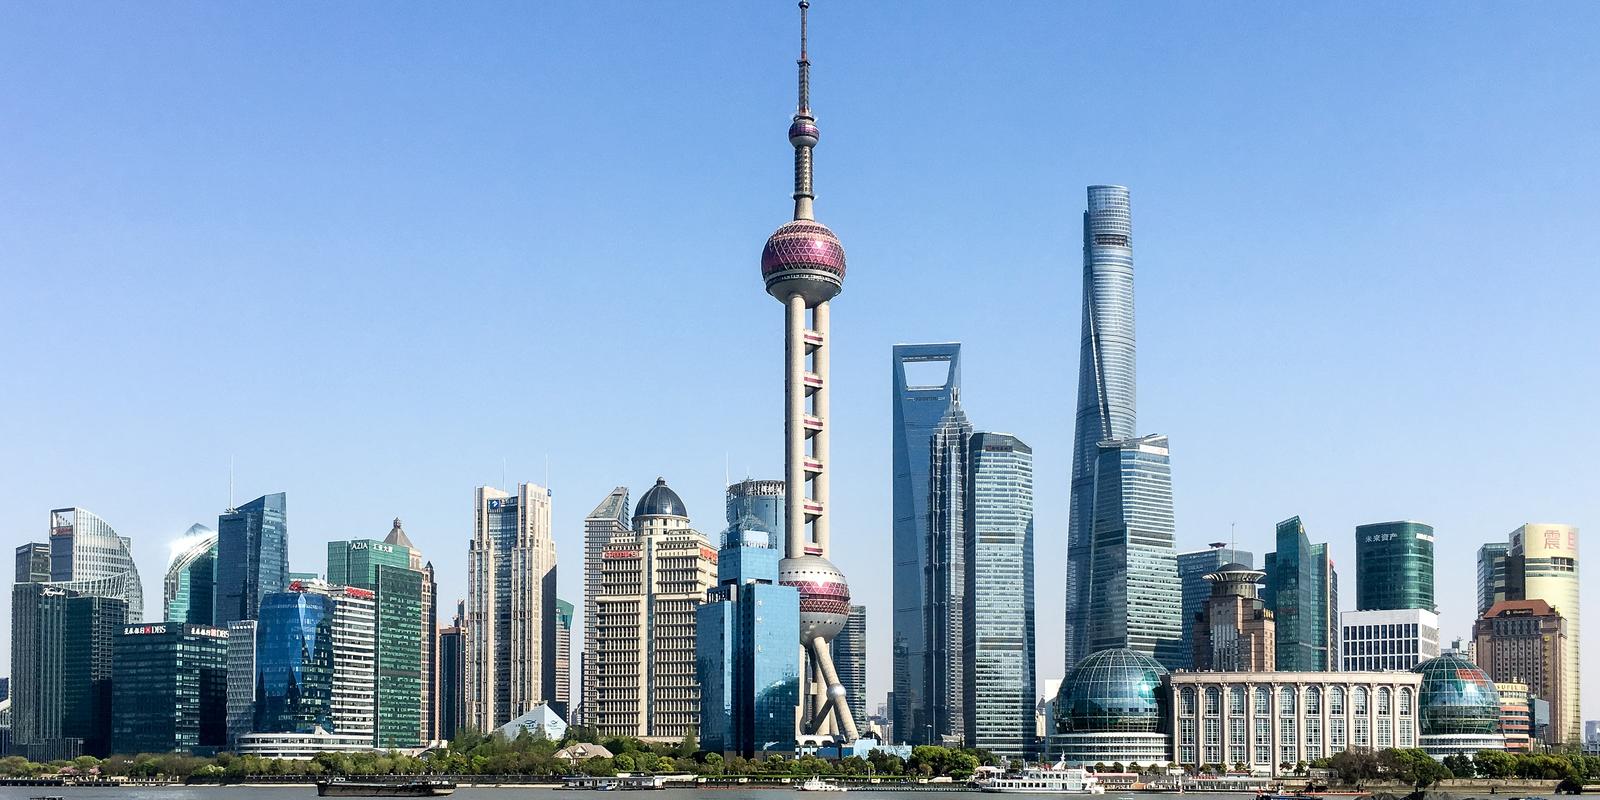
<point x="1106" y="387"/>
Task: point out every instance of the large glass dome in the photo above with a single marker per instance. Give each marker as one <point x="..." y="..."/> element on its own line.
<point x="1112" y="691"/>
<point x="1457" y="698"/>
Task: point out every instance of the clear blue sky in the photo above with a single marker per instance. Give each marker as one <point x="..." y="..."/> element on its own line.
<point x="375" y="251"/>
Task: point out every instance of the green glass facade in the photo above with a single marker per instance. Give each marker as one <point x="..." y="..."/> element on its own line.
<point x="61" y="670"/>
<point x="1301" y="590"/>
<point x="385" y="570"/>
<point x="169" y="689"/>
<point x="1394" y="566"/>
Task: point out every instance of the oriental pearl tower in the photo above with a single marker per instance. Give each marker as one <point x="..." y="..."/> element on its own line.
<point x="803" y="266"/>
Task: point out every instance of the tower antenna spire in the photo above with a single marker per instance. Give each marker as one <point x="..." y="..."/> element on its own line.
<point x="803" y="132"/>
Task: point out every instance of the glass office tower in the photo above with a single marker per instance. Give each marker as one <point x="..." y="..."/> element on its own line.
<point x="1394" y="566"/>
<point x="999" y="644"/>
<point x="744" y="652"/>
<point x="1106" y="387"/>
<point x="1135" y="600"/>
<point x="33" y="563"/>
<point x="1300" y="590"/>
<point x="88" y="557"/>
<point x="761" y="501"/>
<point x="294" y="663"/>
<point x="252" y="557"/>
<point x="850" y="659"/>
<point x="61" y="658"/>
<point x="1193" y="567"/>
<point x="946" y="578"/>
<point x="170" y="689"/>
<point x="1491" y="574"/>
<point x="384" y="569"/>
<point x="926" y="381"/>
<point x="189" y="587"/>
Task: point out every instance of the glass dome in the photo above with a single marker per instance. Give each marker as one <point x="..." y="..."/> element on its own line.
<point x="1456" y="698"/>
<point x="1112" y="691"/>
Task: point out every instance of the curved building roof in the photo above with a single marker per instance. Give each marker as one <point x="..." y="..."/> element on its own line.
<point x="1456" y="698"/>
<point x="1116" y="690"/>
<point x="660" y="501"/>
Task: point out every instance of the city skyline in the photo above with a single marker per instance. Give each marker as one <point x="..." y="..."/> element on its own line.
<point x="160" y="464"/>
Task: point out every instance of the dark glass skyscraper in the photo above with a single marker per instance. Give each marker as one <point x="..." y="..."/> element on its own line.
<point x="1193" y="567"/>
<point x="452" y="676"/>
<point x="1491" y="574"/>
<point x="926" y="383"/>
<point x="998" y="651"/>
<point x="945" y="577"/>
<point x="189" y="588"/>
<point x="61" y="657"/>
<point x="33" y="563"/>
<point x="252" y="558"/>
<point x="170" y="689"/>
<point x="1302" y="591"/>
<point x="1106" y="387"/>
<point x="850" y="659"/>
<point x="1394" y="566"/>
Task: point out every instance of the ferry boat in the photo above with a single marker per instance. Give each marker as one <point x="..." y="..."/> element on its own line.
<point x="1058" y="779"/>
<point x="816" y="784"/>
<point x="414" y="788"/>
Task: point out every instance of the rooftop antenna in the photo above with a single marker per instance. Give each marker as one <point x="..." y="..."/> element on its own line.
<point x="1233" y="541"/>
<point x="547" y="472"/>
<point x="727" y="470"/>
<point x="230" y="483"/>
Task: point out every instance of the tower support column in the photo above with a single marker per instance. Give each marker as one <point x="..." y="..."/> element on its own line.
<point x="794" y="395"/>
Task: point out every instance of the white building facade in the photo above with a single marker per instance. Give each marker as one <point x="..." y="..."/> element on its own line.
<point x="1378" y="641"/>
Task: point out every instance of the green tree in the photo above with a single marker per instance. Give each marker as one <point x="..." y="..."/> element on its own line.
<point x="624" y="762"/>
<point x="1494" y="764"/>
<point x="689" y="747"/>
<point x="714" y="763"/>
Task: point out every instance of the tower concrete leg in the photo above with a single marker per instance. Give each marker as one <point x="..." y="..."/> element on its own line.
<point x="835" y="698"/>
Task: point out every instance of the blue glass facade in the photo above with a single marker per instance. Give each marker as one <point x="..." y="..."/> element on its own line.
<point x="745" y="655"/>
<point x="926" y="382"/>
<point x="1135" y="600"/>
<point x="1193" y="566"/>
<point x="190" y="584"/>
<point x="1107" y="396"/>
<point x="252" y="557"/>
<point x="294" y="663"/>
<point x="999" y="650"/>
<point x="1300" y="590"/>
<point x="946" y="573"/>
<point x="170" y="689"/>
<point x="759" y="504"/>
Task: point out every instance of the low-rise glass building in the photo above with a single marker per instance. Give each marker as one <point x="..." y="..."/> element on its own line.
<point x="1112" y="707"/>
<point x="169" y="689"/>
<point x="1459" y="708"/>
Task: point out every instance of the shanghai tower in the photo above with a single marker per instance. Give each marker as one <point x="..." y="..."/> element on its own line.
<point x="803" y="267"/>
<point x="1106" y="387"/>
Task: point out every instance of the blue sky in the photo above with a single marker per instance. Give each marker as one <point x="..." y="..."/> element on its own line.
<point x="380" y="254"/>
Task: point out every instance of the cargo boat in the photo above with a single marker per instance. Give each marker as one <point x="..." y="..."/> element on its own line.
<point x="416" y="788"/>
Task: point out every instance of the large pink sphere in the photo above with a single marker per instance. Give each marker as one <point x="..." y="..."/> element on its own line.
<point x="824" y="595"/>
<point x="803" y="257"/>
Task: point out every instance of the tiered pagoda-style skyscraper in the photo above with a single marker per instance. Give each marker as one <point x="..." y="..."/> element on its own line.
<point x="803" y="267"/>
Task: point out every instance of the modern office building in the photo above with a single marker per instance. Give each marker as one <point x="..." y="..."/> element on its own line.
<point x="241" y="676"/>
<point x="1193" y="567"/>
<point x="354" y="701"/>
<point x="850" y="659"/>
<point x="1516" y="716"/>
<point x="61" y="670"/>
<point x="169" y="689"/>
<point x="1136" y="600"/>
<point x="745" y="635"/>
<point x="1458" y="707"/>
<point x="761" y="500"/>
<point x="252" y="557"/>
<point x="1235" y="631"/>
<point x="294" y="664"/>
<point x="652" y="579"/>
<point x="1394" y="566"/>
<point x="1542" y="564"/>
<point x="803" y="266"/>
<point x="1112" y="706"/>
<point x="384" y="569"/>
<point x="452" y="674"/>
<point x="88" y="557"/>
<point x="608" y="520"/>
<point x="926" y="384"/>
<point x="189" y="586"/>
<point x="1375" y="641"/>
<point x="1271" y="722"/>
<point x="945" y="607"/>
<point x="511" y="606"/>
<point x="1525" y="642"/>
<point x="563" y="696"/>
<point x="1492" y="574"/>
<point x="1300" y="591"/>
<point x="33" y="563"/>
<point x="1107" y="390"/>
<point x="998" y="652"/>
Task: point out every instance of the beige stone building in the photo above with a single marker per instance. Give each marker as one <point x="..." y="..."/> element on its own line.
<point x="652" y="578"/>
<point x="510" y="628"/>
<point x="1235" y="631"/>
